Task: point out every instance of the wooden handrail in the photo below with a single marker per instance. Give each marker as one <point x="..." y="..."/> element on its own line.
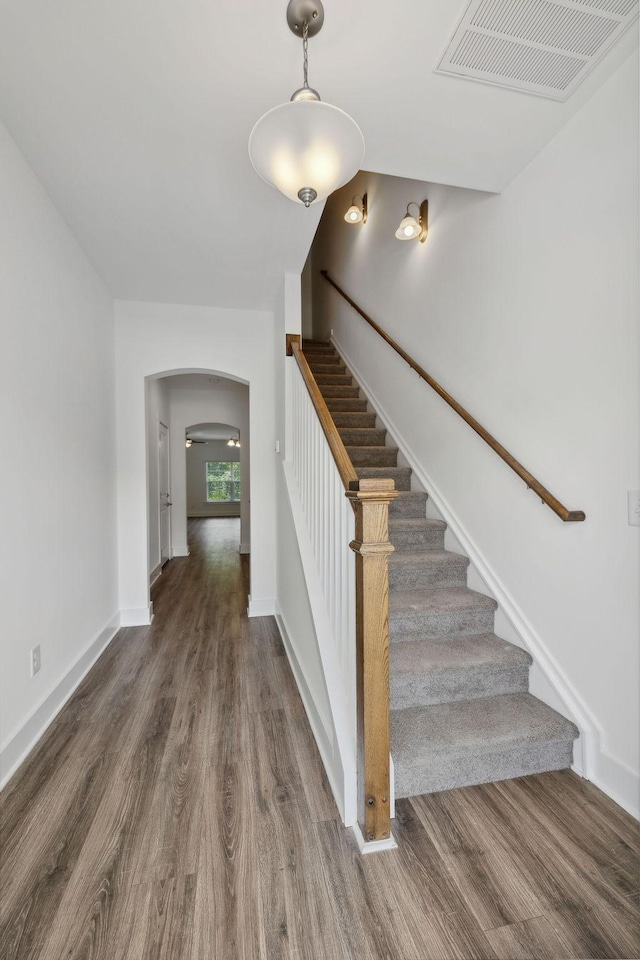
<point x="502" y="452"/>
<point x="344" y="466"/>
<point x="370" y="499"/>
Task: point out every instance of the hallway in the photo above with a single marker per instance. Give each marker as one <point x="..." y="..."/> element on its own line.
<point x="177" y="808"/>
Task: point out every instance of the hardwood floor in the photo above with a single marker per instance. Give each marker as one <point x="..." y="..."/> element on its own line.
<point x="177" y="808"/>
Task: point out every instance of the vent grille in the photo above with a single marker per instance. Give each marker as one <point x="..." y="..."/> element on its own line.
<point x="545" y="47"/>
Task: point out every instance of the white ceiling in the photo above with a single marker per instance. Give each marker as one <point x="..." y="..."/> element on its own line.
<point x="204" y="432"/>
<point x="136" y="115"/>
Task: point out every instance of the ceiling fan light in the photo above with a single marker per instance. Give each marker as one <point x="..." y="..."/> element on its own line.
<point x="231" y="442"/>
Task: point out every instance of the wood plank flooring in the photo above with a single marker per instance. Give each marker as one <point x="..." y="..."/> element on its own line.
<point x="177" y="809"/>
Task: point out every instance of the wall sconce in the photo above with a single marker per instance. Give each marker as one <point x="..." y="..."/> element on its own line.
<point x="233" y="441"/>
<point x="412" y="229"/>
<point x="188" y="443"/>
<point x="357" y="212"/>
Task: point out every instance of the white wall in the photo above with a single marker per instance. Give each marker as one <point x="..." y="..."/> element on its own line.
<point x="57" y="482"/>
<point x="154" y="339"/>
<point x="223" y="402"/>
<point x="197" y="456"/>
<point x="524" y="306"/>
<point x="157" y="413"/>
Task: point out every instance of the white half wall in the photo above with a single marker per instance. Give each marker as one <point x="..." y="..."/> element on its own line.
<point x="524" y="306"/>
<point x="153" y="339"/>
<point x="57" y="484"/>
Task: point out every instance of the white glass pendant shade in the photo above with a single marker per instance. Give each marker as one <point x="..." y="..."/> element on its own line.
<point x="306" y="145"/>
<point x="354" y="214"/>
<point x="409" y="229"/>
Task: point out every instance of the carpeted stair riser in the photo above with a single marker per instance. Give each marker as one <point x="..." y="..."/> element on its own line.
<point x="333" y="380"/>
<point x="416" y="534"/>
<point x="373" y="456"/>
<point x="326" y="371"/>
<point x="409" y="504"/>
<point x="362" y="437"/>
<point x="475" y="741"/>
<point x="354" y="421"/>
<point x="401" y="475"/>
<point x="419" y="571"/>
<point x="339" y="404"/>
<point x="438" y="613"/>
<point x="460" y="711"/>
<point x="327" y="360"/>
<point x="463" y="668"/>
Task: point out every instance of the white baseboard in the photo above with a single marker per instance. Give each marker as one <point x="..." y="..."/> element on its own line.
<point x="618" y="781"/>
<point x="137" y="616"/>
<point x="323" y="743"/>
<point x="261" y="608"/>
<point x="180" y="550"/>
<point x="372" y="846"/>
<point x="245" y="548"/>
<point x="20" y="744"/>
<point x="155" y="574"/>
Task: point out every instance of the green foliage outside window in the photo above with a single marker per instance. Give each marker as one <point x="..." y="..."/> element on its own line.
<point x="223" y="481"/>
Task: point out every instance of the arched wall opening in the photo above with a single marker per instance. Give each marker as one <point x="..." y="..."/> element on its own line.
<point x="155" y="341"/>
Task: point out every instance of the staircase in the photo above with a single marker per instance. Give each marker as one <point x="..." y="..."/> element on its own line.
<point x="460" y="708"/>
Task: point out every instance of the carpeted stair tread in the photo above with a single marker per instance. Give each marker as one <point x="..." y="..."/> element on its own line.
<point x="333" y="379"/>
<point x="401" y="475"/>
<point x="324" y="361"/>
<point x="354" y="404"/>
<point x="379" y="456"/>
<point x="411" y="504"/>
<point x="439" y="612"/>
<point x="339" y="392"/>
<point x="416" y="534"/>
<point x="362" y="436"/>
<point x="432" y="568"/>
<point x="449" y="745"/>
<point x="354" y="421"/>
<point x="463" y="668"/>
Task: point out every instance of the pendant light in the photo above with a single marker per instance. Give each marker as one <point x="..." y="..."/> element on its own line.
<point x="306" y="148"/>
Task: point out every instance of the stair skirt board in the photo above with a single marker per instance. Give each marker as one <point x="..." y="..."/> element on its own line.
<point x="461" y="712"/>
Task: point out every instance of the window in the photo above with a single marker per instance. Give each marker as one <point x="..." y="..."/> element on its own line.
<point x="223" y="481"/>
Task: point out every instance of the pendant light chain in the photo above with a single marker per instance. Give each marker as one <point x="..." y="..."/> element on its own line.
<point x="305" y="49"/>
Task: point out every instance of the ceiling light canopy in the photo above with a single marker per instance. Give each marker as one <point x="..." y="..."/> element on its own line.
<point x="306" y="148"/>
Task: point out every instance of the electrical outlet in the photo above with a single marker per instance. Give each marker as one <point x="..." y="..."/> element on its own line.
<point x="36" y="661"/>
<point x="634" y="508"/>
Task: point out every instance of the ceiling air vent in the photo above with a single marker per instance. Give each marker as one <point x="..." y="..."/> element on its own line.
<point x="545" y="47"/>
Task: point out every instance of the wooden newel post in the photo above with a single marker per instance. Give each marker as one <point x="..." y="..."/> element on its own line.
<point x="370" y="499"/>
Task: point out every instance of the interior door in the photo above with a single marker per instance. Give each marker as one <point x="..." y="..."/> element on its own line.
<point x="164" y="486"/>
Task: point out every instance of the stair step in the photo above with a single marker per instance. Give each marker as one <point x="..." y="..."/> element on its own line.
<point x="334" y="379"/>
<point x="324" y="370"/>
<point x="317" y="345"/>
<point x="373" y="456"/>
<point x="463" y="668"/>
<point x="439" y="612"/>
<point x="411" y="504"/>
<point x="341" y="392"/>
<point x="362" y="436"/>
<point x="457" y="744"/>
<point x="401" y="475"/>
<point x="416" y="534"/>
<point x="329" y="360"/>
<point x="341" y="404"/>
<point x="354" y="421"/>
<point x="435" y="568"/>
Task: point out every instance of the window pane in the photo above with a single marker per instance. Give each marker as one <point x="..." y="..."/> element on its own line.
<point x="223" y="481"/>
